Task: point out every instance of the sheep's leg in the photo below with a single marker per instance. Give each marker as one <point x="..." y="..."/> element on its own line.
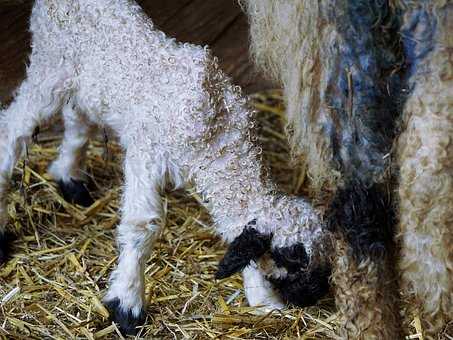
<point x="38" y="97"/>
<point x="363" y="273"/>
<point x="140" y="222"/>
<point x="365" y="294"/>
<point x="426" y="169"/>
<point x="68" y="168"/>
<point x="426" y="196"/>
<point x="259" y="291"/>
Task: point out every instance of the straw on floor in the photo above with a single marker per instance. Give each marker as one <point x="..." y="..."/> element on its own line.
<point x="53" y="286"/>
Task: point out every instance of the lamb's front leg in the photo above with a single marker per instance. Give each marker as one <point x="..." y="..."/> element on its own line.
<point x="140" y="222"/>
<point x="259" y="291"/>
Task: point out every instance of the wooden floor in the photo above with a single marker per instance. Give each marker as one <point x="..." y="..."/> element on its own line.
<point x="217" y="23"/>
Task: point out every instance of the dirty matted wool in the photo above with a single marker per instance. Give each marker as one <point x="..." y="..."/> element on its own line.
<point x="425" y="150"/>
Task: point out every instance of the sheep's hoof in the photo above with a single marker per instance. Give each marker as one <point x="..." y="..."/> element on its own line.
<point x="124" y="319"/>
<point x="75" y="191"/>
<point x="6" y="241"/>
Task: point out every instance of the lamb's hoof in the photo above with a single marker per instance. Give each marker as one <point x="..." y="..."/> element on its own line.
<point x="259" y="291"/>
<point x="125" y="319"/>
<point x="75" y="191"/>
<point x="6" y="242"/>
<point x="267" y="308"/>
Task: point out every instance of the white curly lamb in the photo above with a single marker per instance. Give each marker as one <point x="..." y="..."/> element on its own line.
<point x="102" y="62"/>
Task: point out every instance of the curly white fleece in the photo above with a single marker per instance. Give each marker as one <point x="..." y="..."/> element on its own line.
<point x="176" y="114"/>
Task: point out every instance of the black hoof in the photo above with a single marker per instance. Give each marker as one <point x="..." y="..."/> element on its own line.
<point x="75" y="191"/>
<point x="125" y="320"/>
<point x="6" y="245"/>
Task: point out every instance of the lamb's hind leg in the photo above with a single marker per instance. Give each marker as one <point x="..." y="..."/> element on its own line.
<point x="68" y="168"/>
<point x="38" y="97"/>
<point x="140" y="222"/>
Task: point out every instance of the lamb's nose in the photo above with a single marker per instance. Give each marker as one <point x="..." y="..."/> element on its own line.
<point x="292" y="258"/>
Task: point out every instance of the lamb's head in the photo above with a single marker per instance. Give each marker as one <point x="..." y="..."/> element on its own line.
<point x="295" y="264"/>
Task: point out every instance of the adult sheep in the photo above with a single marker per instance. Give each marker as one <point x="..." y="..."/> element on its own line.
<point x="368" y="86"/>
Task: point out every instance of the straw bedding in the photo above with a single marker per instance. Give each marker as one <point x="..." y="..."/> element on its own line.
<point x="53" y="286"/>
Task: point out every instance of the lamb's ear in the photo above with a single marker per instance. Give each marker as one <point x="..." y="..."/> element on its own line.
<point x="248" y="246"/>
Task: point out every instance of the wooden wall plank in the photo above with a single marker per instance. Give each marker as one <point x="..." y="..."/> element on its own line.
<point x="217" y="23"/>
<point x="14" y="45"/>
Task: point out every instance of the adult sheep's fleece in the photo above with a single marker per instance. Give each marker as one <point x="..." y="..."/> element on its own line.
<point x="362" y="79"/>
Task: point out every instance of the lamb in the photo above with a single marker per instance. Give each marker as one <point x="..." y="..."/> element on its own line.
<point x="368" y="82"/>
<point x="102" y="62"/>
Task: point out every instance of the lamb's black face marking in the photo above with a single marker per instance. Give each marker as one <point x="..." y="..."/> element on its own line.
<point x="304" y="288"/>
<point x="6" y="240"/>
<point x="124" y="319"/>
<point x="303" y="284"/>
<point x="75" y="191"/>
<point x="299" y="284"/>
<point x="291" y="258"/>
<point x="247" y="247"/>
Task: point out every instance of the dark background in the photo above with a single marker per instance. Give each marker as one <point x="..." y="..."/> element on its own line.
<point x="218" y="23"/>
